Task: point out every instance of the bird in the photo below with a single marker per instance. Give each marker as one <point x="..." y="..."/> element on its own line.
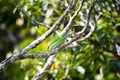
<point x="56" y="43"/>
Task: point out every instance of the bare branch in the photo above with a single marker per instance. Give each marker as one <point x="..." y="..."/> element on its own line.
<point x="44" y="55"/>
<point x="72" y="18"/>
<point x="46" y="68"/>
<point x="88" y="18"/>
<point x="32" y="56"/>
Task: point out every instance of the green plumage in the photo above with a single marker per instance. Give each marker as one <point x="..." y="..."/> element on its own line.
<point x="57" y="42"/>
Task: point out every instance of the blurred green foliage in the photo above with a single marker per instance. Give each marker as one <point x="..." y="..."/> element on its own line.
<point x="94" y="59"/>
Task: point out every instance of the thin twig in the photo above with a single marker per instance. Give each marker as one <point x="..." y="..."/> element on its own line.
<point x="91" y="31"/>
<point x="28" y="16"/>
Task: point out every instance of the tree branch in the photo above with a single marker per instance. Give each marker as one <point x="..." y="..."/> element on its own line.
<point x="44" y="55"/>
<point x="88" y="17"/>
<point x="72" y="18"/>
